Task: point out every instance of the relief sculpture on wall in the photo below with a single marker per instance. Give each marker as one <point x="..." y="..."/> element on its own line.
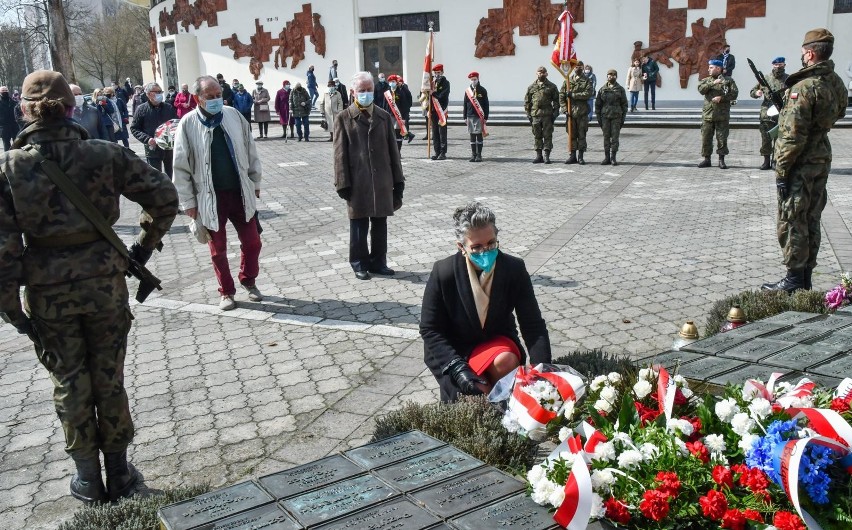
<point x="193" y="14"/>
<point x="495" y="33"/>
<point x="258" y="50"/>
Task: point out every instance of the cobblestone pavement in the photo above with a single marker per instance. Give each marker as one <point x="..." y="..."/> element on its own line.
<point x="620" y="256"/>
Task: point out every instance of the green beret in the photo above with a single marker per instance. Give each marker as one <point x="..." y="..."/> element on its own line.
<point x="818" y="35"/>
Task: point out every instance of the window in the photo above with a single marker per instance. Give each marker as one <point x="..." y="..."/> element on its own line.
<point x="405" y="22"/>
<point x="843" y="6"/>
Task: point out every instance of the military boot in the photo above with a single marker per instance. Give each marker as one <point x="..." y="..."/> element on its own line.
<point x="706" y="162"/>
<point x="472" y="153"/>
<point x="121" y="477"/>
<point x="765" y="164"/>
<point x="538" y="158"/>
<point x="808" y="278"/>
<point x="547" y="156"/>
<point x="612" y="157"/>
<point x="479" y="152"/>
<point x="572" y="159"/>
<point x="87" y="484"/>
<point x="606" y="161"/>
<point x="794" y="280"/>
<point x="722" y="164"/>
<point x="580" y="157"/>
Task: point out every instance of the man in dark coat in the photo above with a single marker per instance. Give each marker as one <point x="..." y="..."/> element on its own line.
<point x="227" y="93"/>
<point x="146" y="119"/>
<point x="8" y="124"/>
<point x="344" y="94"/>
<point x="442" y="94"/>
<point x="402" y="99"/>
<point x="467" y="323"/>
<point x="88" y="116"/>
<point x="729" y="62"/>
<point x="368" y="176"/>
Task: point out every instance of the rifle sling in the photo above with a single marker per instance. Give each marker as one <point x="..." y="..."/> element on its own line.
<point x="61" y="180"/>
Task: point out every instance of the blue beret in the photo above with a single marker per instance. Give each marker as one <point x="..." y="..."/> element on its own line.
<point x="778" y="60"/>
<point x="715" y="62"/>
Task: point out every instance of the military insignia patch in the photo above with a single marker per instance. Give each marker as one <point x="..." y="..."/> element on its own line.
<point x="794" y="95"/>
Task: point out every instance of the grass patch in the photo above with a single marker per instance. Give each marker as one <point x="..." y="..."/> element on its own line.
<point x="761" y="304"/>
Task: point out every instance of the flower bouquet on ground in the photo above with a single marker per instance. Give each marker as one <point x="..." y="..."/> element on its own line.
<point x="649" y="454"/>
<point x="841" y="295"/>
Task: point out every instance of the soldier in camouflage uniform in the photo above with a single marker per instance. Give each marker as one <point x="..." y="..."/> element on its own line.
<point x="814" y="101"/>
<point x="611" y="110"/>
<point x="718" y="91"/>
<point x="776" y="83"/>
<point x="580" y="93"/>
<point x="541" y="104"/>
<point x="75" y="292"/>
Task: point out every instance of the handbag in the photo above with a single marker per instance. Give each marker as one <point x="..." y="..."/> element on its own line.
<point x="262" y="107"/>
<point x="324" y="125"/>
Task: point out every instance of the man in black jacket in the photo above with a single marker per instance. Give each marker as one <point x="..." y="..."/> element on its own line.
<point x="146" y="118"/>
<point x="8" y="124"/>
<point x="729" y="62"/>
<point x="227" y="92"/>
<point x="88" y="116"/>
<point x="402" y="99"/>
<point x="442" y="94"/>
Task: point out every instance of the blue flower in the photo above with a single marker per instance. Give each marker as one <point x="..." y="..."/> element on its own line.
<point x="813" y="472"/>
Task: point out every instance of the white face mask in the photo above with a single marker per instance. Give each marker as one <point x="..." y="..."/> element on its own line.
<point x="78" y="100"/>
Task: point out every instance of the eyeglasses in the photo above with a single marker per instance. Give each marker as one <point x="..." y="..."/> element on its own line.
<point x="479" y="249"/>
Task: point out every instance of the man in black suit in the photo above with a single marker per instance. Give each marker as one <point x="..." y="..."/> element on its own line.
<point x="729" y="62"/>
<point x="468" y="316"/>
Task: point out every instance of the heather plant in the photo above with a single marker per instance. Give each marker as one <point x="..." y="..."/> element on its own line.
<point x="757" y="305"/>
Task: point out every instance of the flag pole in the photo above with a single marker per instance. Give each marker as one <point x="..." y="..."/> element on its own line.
<point x="568" y="111"/>
<point x="429" y="52"/>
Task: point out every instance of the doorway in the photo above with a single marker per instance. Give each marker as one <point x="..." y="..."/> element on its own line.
<point x="386" y="53"/>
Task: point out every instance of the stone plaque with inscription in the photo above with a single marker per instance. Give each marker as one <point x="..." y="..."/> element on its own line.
<point x="840" y="340"/>
<point x="467" y="491"/>
<point x="670" y="359"/>
<point x="828" y="322"/>
<point x="213" y="506"/>
<point x="518" y="511"/>
<point x="309" y="476"/>
<point x="798" y="334"/>
<point x="750" y="371"/>
<point x="428" y="468"/>
<point x="788" y="318"/>
<point x="757" y="349"/>
<point x="709" y="367"/>
<point x="718" y="343"/>
<point x="338" y="499"/>
<point x="394" y="514"/>
<point x="839" y="367"/>
<point x="268" y="517"/>
<point x="799" y="357"/>
<point x="393" y="449"/>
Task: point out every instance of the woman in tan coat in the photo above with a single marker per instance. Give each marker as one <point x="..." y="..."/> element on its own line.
<point x="262" y="115"/>
<point x="634" y="83"/>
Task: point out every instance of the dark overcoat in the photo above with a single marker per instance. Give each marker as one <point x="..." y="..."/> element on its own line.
<point x="449" y="323"/>
<point x="366" y="159"/>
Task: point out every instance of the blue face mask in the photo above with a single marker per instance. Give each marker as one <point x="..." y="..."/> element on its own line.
<point x="484" y="260"/>
<point x="392" y="84"/>
<point x="214" y="106"/>
<point x="365" y="99"/>
<point x="158" y="98"/>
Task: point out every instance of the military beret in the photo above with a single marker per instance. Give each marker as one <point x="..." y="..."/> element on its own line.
<point x="818" y="35"/>
<point x="473" y="74"/>
<point x="438" y="68"/>
<point x="47" y="84"/>
<point x="715" y="62"/>
<point x="611" y="72"/>
<point x="779" y="60"/>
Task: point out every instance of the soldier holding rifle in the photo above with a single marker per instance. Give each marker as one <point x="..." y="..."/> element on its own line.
<point x="770" y="89"/>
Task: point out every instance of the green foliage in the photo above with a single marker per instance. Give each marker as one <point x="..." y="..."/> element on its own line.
<point x="761" y="304"/>
<point x="136" y="513"/>
<point x="591" y="363"/>
<point x="472" y="424"/>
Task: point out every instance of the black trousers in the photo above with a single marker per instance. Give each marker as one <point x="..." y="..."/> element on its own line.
<point x="439" y="136"/>
<point x="376" y="257"/>
<point x="163" y="163"/>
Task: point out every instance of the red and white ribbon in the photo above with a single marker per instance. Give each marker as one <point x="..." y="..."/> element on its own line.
<point x="757" y="388"/>
<point x="527" y="410"/>
<point x="666" y="390"/>
<point x="439" y="112"/>
<point x="390" y="98"/>
<point x="844" y="390"/>
<point x="471" y="96"/>
<point x="575" y="510"/>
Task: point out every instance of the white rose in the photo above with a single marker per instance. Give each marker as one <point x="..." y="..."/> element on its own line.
<point x="646" y="373"/>
<point x="726" y="409"/>
<point x="614" y="377"/>
<point x="564" y="433"/>
<point x="602" y="479"/>
<point x="603" y="405"/>
<point x="642" y="388"/>
<point x="557" y="497"/>
<point x="742" y="424"/>
<point x="535" y="474"/>
<point x="715" y="443"/>
<point x="604" y="451"/>
<point x="747" y="441"/>
<point x="682" y="426"/>
<point x="630" y="459"/>
<point x="608" y="393"/>
<point x="597" y="382"/>
<point x="680" y="380"/>
<point x="760" y="408"/>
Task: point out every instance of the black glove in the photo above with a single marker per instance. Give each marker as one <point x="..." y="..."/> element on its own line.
<point x="463" y="377"/>
<point x="139" y="254"/>
<point x="345" y="193"/>
<point x="569" y="95"/>
<point x="783" y="190"/>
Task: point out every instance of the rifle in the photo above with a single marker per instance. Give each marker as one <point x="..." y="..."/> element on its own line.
<point x="768" y="93"/>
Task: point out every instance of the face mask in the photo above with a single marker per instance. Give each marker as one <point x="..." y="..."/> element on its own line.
<point x="78" y="100"/>
<point x="587" y="72"/>
<point x="214" y="106"/>
<point x="484" y="260"/>
<point x="331" y="90"/>
<point x="171" y="92"/>
<point x="158" y="98"/>
<point x="804" y="62"/>
<point x="4" y="95"/>
<point x="365" y="99"/>
<point x="286" y="87"/>
<point x="392" y="84"/>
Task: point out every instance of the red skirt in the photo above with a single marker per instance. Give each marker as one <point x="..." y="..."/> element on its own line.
<point x="484" y="354"/>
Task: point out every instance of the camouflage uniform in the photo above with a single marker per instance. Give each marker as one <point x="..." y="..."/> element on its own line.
<point x="75" y="292"/>
<point x="815" y="100"/>
<point x="716" y="117"/>
<point x="581" y="92"/>
<point x="776" y="82"/>
<point x="541" y="103"/>
<point x="611" y="110"/>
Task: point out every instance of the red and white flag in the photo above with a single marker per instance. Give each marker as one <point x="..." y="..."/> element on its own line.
<point x="564" y="55"/>
<point x="426" y="85"/>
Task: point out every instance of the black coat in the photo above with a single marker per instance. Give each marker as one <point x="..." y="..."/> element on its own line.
<point x="344" y="94"/>
<point x="146" y="119"/>
<point x="449" y="323"/>
<point x="482" y="97"/>
<point x="442" y="92"/>
<point x="8" y="124"/>
<point x="402" y="97"/>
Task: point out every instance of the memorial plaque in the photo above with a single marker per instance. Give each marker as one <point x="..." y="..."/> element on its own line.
<point x="394" y="514"/>
<point x="428" y="468"/>
<point x="213" y="506"/>
<point x="268" y="517"/>
<point x="798" y="334"/>
<point x="822" y="380"/>
<point x="338" y="499"/>
<point x="828" y="322"/>
<point x="394" y="449"/>
<point x="709" y="367"/>
<point x="309" y="476"/>
<point x="841" y="341"/>
<point x="757" y="329"/>
<point x="788" y="318"/>
<point x="839" y="367"/>
<point x="756" y="349"/>
<point x="518" y="511"/>
<point x="718" y="343"/>
<point x="799" y="357"/>
<point x="468" y="491"/>
<point x="749" y="371"/>
<point x="670" y="359"/>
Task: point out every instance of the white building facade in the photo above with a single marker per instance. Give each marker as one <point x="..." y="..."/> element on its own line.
<point x="359" y="34"/>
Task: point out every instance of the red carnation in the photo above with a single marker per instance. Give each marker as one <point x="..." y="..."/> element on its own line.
<point x="839" y="405"/>
<point x="646" y="414"/>
<point x="696" y="427"/>
<point x="753" y="515"/>
<point x="723" y="476"/>
<point x="698" y="451"/>
<point x="754" y="479"/>
<point x="669" y="483"/>
<point x="739" y="468"/>
<point x="776" y="408"/>
<point x="654" y="505"/>
<point x="616" y="511"/>
<point x="788" y="521"/>
<point x="713" y="505"/>
<point x="680" y="399"/>
<point x="734" y="519"/>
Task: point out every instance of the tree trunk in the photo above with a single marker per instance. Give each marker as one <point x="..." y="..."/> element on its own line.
<point x="60" y="44"/>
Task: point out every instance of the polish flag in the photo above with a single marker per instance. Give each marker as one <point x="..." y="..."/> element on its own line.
<point x="426" y="85"/>
<point x="564" y="55"/>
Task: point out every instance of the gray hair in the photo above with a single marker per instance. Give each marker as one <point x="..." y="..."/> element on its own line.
<point x="473" y="215"/>
<point x="150" y="86"/>
<point x="196" y="87"/>
<point x="363" y="78"/>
